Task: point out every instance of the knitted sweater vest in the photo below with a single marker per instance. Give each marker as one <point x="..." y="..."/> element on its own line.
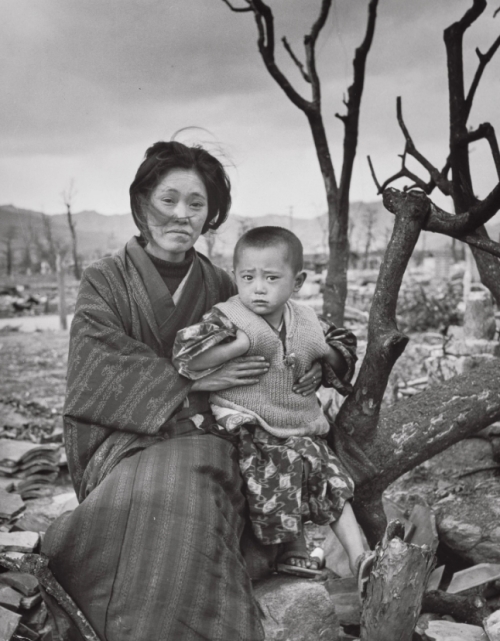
<point x="279" y="410"/>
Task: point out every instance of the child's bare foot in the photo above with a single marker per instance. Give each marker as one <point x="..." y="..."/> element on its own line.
<point x="295" y="559"/>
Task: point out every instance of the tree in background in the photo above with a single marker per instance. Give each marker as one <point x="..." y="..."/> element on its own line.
<point x="68" y="196"/>
<point x="8" y="249"/>
<point x="337" y="193"/>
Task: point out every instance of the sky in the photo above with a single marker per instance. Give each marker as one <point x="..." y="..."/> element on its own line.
<point x="88" y="85"/>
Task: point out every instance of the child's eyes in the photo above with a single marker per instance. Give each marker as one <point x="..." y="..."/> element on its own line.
<point x="272" y="278"/>
<point x="246" y="277"/>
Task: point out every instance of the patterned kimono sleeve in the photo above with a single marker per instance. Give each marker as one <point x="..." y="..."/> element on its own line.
<point x="214" y="328"/>
<point x="344" y="342"/>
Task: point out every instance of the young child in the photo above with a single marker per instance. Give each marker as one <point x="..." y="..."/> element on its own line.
<point x="290" y="473"/>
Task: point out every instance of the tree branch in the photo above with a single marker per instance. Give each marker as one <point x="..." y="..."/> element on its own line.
<point x="442" y="222"/>
<point x="237" y="9"/>
<point x="265" y="26"/>
<point x="354" y="95"/>
<point x="436" y="176"/>
<point x="310" y="48"/>
<point x="404" y="172"/>
<point x="484" y="59"/>
<point x="300" y="66"/>
<point x="486" y="131"/>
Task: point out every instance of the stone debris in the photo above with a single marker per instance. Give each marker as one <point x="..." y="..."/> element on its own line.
<point x="345" y="597"/>
<point x="492" y="626"/>
<point x="10" y="598"/>
<point x="448" y="631"/>
<point x="35" y="464"/>
<point x="9" y="622"/>
<point x="20" y="596"/>
<point x="19" y="541"/>
<point x="473" y="577"/>
<point x="24" y="583"/>
<point x="435" y="578"/>
<point x="296" y="610"/>
<point x="10" y="505"/>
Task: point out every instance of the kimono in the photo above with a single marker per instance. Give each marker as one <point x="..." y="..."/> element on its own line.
<point x="290" y="474"/>
<point x="152" y="552"/>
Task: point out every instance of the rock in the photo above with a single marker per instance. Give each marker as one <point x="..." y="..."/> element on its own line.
<point x="20" y="581"/>
<point x="32" y="523"/>
<point x="442" y="630"/>
<point x="10" y="505"/>
<point x="447" y="631"/>
<point x="18" y="541"/>
<point x="492" y="626"/>
<point x="345" y="597"/>
<point x="29" y="602"/>
<point x="479" y="317"/>
<point x="10" y="598"/>
<point x="423" y="622"/>
<point x="473" y="577"/>
<point x="8" y="623"/>
<point x="296" y="610"/>
<point x="469" y="525"/>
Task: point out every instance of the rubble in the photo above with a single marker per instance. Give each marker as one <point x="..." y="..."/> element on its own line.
<point x="492" y="626"/>
<point x="447" y="631"/>
<point x="473" y="577"/>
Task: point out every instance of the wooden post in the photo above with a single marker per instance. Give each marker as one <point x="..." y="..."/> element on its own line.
<point x="63" y="322"/>
<point x="396" y="587"/>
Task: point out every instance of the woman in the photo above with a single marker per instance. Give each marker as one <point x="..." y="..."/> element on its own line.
<point x="152" y="553"/>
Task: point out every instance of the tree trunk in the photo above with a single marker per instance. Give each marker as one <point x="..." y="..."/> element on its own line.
<point x="395" y="589"/>
<point x="412" y="432"/>
<point x="76" y="262"/>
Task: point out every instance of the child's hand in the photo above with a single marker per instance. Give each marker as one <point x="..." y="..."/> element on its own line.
<point x="243" y="341"/>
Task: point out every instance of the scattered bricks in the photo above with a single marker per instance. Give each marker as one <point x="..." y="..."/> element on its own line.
<point x="8" y="623"/>
<point x="32" y="523"/>
<point x="10" y="598"/>
<point x="21" y="581"/>
<point x="473" y="577"/>
<point x="18" y="541"/>
<point x="10" y="505"/>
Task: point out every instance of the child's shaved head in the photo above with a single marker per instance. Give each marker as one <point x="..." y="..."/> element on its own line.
<point x="261" y="237"/>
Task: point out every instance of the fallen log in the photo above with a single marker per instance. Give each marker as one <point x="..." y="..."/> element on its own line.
<point x="464" y="609"/>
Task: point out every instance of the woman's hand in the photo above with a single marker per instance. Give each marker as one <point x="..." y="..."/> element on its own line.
<point x="310" y="382"/>
<point x="240" y="371"/>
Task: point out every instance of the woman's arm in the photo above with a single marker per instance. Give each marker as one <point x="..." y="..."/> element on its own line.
<point x="220" y="354"/>
<point x="337" y="362"/>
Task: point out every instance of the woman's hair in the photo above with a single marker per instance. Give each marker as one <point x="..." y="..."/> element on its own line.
<point x="161" y="158"/>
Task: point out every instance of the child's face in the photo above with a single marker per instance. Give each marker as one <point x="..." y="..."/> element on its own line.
<point x="266" y="280"/>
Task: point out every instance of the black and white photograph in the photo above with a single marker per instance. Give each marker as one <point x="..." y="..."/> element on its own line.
<point x="250" y="320"/>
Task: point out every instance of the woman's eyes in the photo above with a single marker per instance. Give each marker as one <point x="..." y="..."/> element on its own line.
<point x="197" y="205"/>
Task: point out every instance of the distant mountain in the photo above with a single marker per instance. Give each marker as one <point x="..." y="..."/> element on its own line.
<point x="99" y="234"/>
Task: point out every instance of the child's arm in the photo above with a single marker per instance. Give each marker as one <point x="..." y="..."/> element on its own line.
<point x="221" y="353"/>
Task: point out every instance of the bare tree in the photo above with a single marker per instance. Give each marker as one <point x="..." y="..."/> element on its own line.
<point x="47" y="244"/>
<point x="8" y="249"/>
<point x="369" y="223"/>
<point x="68" y="196"/>
<point x="27" y="236"/>
<point x="379" y="446"/>
<point x="337" y="194"/>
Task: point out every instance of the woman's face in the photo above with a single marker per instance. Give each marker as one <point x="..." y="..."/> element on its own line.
<point x="179" y="211"/>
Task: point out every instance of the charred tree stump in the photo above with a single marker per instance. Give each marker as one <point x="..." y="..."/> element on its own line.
<point x="396" y="588"/>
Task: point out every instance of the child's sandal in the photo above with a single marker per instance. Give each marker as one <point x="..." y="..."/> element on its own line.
<point x="316" y="555"/>
<point x="364" y="565"/>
